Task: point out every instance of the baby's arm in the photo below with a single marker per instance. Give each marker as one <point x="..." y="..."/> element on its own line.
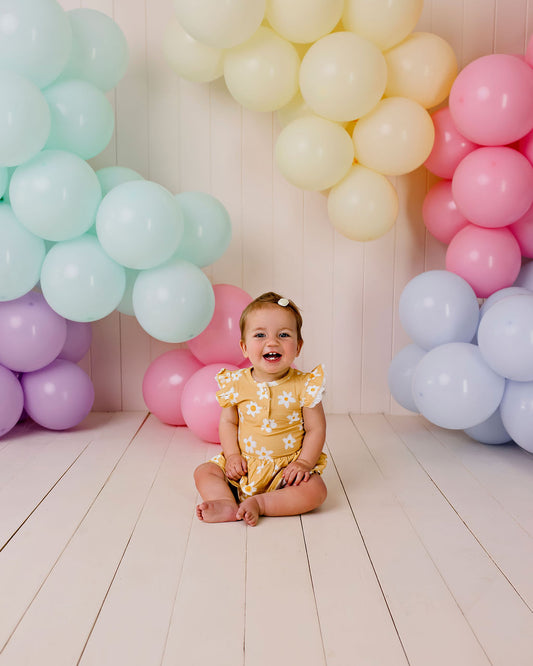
<point x="228" y="431"/>
<point x="312" y="445"/>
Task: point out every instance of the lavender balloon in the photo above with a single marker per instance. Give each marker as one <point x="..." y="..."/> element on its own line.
<point x="11" y="400"/>
<point x="79" y="336"/>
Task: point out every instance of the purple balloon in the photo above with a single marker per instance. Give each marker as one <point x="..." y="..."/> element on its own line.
<point x="79" y="336"/>
<point x="31" y="333"/>
<point x="11" y="400"/>
<point x="58" y="396"/>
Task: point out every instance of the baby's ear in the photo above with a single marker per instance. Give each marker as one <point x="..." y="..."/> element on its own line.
<point x="243" y="348"/>
<point x="299" y="347"/>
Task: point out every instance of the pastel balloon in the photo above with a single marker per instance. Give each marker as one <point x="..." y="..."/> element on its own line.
<point x="449" y="146"/>
<point x="422" y="67"/>
<point x="522" y="230"/>
<point x="525" y="276"/>
<point x="491" y="431"/>
<point x="440" y="213"/>
<point x="364" y="205"/>
<point x="139" y="224"/>
<point x="493" y="186"/>
<point x="499" y="295"/>
<point x="295" y="109"/>
<point x="454" y="388"/>
<point x="400" y="375"/>
<point x="190" y="58"/>
<point x="126" y="303"/>
<point x="78" y="342"/>
<point x="262" y="73"/>
<point x="488" y="259"/>
<point x="517" y="413"/>
<point x="491" y="100"/>
<point x="335" y="83"/>
<point x="110" y="177"/>
<point x="80" y="281"/>
<point x="31" y="333"/>
<point x="58" y="396"/>
<point x="304" y="21"/>
<point x="394" y="138"/>
<point x="314" y="153"/>
<point x="5" y="177"/>
<point x="525" y="146"/>
<point x="164" y="381"/>
<point x="12" y="402"/>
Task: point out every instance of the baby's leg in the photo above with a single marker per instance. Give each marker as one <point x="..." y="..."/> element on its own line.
<point x="219" y="505"/>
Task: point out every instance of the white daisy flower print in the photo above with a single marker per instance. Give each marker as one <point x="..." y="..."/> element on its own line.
<point x="231" y="395"/>
<point x="269" y="425"/>
<point x="289" y="442"/>
<point x="262" y="392"/>
<point x="235" y="375"/>
<point x="248" y="489"/>
<point x="294" y="417"/>
<point x="286" y="399"/>
<point x="312" y="390"/>
<point x="264" y="454"/>
<point x="249" y="444"/>
<point x="252" y="409"/>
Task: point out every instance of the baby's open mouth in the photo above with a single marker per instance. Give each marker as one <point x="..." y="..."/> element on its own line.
<point x="271" y="356"/>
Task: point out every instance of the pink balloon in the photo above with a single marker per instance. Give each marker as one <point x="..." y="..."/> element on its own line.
<point x="493" y="186"/>
<point x="529" y="52"/>
<point x="11" y="400"/>
<point x="522" y="230"/>
<point x="488" y="259"/>
<point x="441" y="215"/>
<point x="219" y="341"/>
<point x="164" y="381"/>
<point x="199" y="405"/>
<point x="525" y="146"/>
<point x="491" y="100"/>
<point x="79" y="336"/>
<point x="449" y="146"/>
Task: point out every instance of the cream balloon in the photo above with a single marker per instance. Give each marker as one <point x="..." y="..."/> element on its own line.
<point x="364" y="205"/>
<point x="422" y="67"/>
<point x="304" y="21"/>
<point x="262" y="73"/>
<point x="383" y="22"/>
<point x="220" y="24"/>
<point x="296" y="108"/>
<point x="190" y="58"/>
<point x="314" y="153"/>
<point x="342" y="76"/>
<point x="395" y="138"/>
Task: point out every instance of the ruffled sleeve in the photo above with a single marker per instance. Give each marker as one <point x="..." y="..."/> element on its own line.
<point x="314" y="387"/>
<point x="227" y="381"/>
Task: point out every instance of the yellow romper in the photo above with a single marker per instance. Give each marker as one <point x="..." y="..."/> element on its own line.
<point x="271" y="427"/>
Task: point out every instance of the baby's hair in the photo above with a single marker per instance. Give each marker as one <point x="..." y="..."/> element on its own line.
<point x="271" y="298"/>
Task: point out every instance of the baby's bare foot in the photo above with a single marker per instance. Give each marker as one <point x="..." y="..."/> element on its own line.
<point x="217" y="511"/>
<point x="249" y="511"/>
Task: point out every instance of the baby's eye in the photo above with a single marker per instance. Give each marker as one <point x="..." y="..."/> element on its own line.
<point x="284" y="335"/>
<point x="259" y="335"/>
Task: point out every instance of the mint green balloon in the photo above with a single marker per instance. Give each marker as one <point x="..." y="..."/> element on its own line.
<point x="21" y="256"/>
<point x="82" y="118"/>
<point x="112" y="176"/>
<point x="79" y="280"/>
<point x="55" y="195"/>
<point x="173" y="302"/>
<point x="4" y="180"/>
<point x="126" y="304"/>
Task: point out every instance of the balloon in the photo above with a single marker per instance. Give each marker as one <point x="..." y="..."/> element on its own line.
<point x="80" y="281"/>
<point x="295" y="109"/>
<point x="522" y="230"/>
<point x="505" y="337"/>
<point x="363" y="205"/>
<point x="441" y="216"/>
<point x="438" y="307"/>
<point x="400" y="375"/>
<point x="525" y="146"/>
<point x="164" y="381"/>
<point x="314" y="153"/>
<point x="58" y="396"/>
<point x="199" y="405"/>
<point x="31" y="333"/>
<point x="493" y="186"/>
<point x="82" y="117"/>
<point x="384" y="22"/>
<point x="491" y="431"/>
<point x="21" y="256"/>
<point x="110" y="177"/>
<point x="139" y="224"/>
<point x="525" y="276"/>
<point x="11" y="400"/>
<point x="78" y="342"/>
<point x="126" y="304"/>
<point x="517" y="413"/>
<point x="499" y="295"/>
<point x="55" y="195"/>
<point x="219" y="341"/>
<point x="304" y="21"/>
<point x="454" y="388"/>
<point x="5" y="177"/>
<point x="262" y="73"/>
<point x="24" y="119"/>
<point x="207" y="228"/>
<point x="173" y="302"/>
<point x="220" y="24"/>
<point x="35" y="39"/>
<point x="395" y="138"/>
<point x="491" y="100"/>
<point x="99" y="52"/>
<point x="190" y="58"/>
<point x="342" y="76"/>
<point x="422" y="67"/>
<point x="488" y="259"/>
<point x="449" y="147"/>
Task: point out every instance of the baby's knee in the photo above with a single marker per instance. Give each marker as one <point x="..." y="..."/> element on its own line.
<point x="203" y="470"/>
<point x="321" y="491"/>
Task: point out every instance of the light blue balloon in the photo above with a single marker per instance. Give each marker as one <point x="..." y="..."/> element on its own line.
<point x="126" y="304"/>
<point x="207" y="232"/>
<point x="55" y="195"/>
<point x="99" y="49"/>
<point x="173" y="302"/>
<point x="35" y="39"/>
<point x="491" y="431"/>
<point x="517" y="413"/>
<point x="80" y="281"/>
<point x="499" y="295"/>
<point x="21" y="256"/>
<point x="112" y="176"/>
<point x="454" y="388"/>
<point x="82" y="118"/>
<point x="24" y="119"/>
<point x="437" y="307"/>
<point x="4" y="180"/>
<point x="139" y="224"/>
<point x="525" y="276"/>
<point x="400" y="375"/>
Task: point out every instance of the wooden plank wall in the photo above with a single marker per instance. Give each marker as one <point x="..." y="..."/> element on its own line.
<point x="190" y="136"/>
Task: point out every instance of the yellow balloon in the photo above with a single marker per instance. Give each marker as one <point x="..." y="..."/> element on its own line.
<point x="296" y="108"/>
<point x="422" y="67"/>
<point x="262" y="73"/>
<point x="314" y="153"/>
<point x="190" y="58"/>
<point x="304" y="21"/>
<point x="342" y="76"/>
<point x="383" y="22"/>
<point x="364" y="205"/>
<point x="395" y="138"/>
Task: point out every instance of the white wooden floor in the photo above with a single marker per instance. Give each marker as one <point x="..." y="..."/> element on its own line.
<point x="422" y="554"/>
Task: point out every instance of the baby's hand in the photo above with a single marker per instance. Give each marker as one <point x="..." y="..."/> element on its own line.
<point x="235" y="467"/>
<point x="296" y="472"/>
